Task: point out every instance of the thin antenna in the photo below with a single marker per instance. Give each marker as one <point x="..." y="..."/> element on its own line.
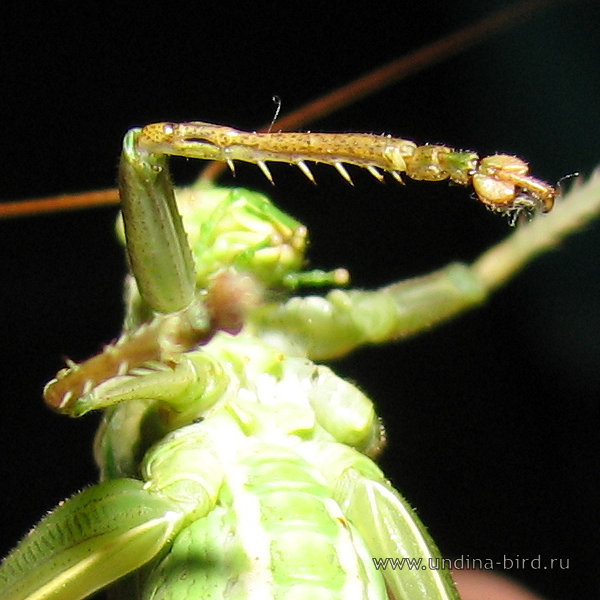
<point x="62" y="202"/>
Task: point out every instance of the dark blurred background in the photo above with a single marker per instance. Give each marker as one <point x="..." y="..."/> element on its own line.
<point x="493" y="418"/>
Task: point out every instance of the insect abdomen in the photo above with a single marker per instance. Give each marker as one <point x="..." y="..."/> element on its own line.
<point x="276" y="534"/>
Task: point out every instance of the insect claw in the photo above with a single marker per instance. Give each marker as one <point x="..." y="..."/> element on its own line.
<point x="304" y="168"/>
<point x="397" y="176"/>
<point x="377" y="174"/>
<point x="71" y="364"/>
<point x="231" y="166"/>
<point x="123" y="368"/>
<point x="140" y="371"/>
<point x="263" y="167"/>
<point x="61" y="374"/>
<point x="64" y="401"/>
<point x="342" y="171"/>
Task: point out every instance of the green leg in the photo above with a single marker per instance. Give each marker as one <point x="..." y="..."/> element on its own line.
<point x="117" y="526"/>
<point x="89" y="541"/>
<point x="344" y="320"/>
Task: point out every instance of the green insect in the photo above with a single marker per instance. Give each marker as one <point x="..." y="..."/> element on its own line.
<point x="270" y="495"/>
<point x="232" y="465"/>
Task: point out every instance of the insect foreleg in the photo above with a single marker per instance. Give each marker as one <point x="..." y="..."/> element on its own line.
<point x="187" y="382"/>
<point x="162" y="265"/>
<point x="330" y="326"/>
<point x="159" y="253"/>
<point x="501" y="182"/>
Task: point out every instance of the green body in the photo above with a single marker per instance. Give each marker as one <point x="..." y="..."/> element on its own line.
<point x="233" y="466"/>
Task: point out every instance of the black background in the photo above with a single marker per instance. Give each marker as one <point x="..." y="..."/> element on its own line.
<point x="493" y="418"/>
